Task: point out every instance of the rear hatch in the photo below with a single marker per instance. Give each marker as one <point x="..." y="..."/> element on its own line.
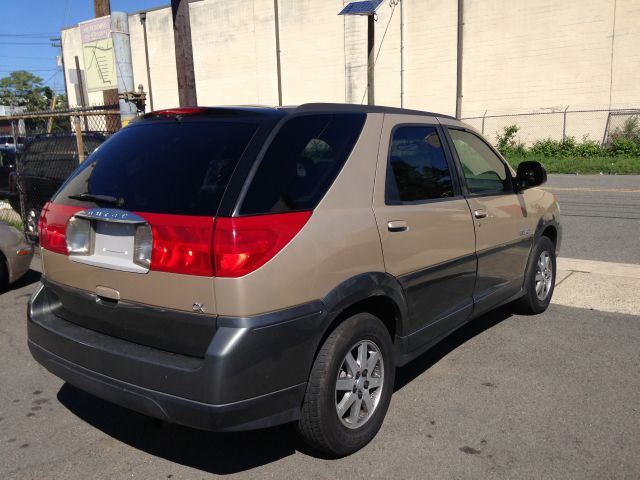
<point x="127" y="240"/>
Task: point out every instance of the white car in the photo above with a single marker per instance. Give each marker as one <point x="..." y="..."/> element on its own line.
<point x="15" y="255"/>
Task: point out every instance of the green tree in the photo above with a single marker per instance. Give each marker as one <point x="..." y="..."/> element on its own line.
<point x="24" y="89"/>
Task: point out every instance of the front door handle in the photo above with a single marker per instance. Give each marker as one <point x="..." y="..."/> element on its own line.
<point x="480" y="213"/>
<point x="397" y="226"/>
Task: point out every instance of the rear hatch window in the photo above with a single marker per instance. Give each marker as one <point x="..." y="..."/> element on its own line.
<point x="172" y="167"/>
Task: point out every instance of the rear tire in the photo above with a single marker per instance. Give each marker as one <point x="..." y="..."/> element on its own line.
<point x="350" y="387"/>
<point x="540" y="278"/>
<point x="15" y="204"/>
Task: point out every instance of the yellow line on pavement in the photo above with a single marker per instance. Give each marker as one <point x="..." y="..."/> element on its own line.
<point x="587" y="189"/>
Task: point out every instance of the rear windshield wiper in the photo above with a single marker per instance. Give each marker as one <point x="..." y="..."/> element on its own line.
<point x="118" y="202"/>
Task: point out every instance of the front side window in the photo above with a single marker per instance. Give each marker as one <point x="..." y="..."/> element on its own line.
<point x="418" y="168"/>
<point x="483" y="170"/>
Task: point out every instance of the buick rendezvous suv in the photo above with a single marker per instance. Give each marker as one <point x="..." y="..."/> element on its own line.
<point x="238" y="268"/>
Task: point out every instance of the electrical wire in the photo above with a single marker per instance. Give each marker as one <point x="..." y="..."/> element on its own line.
<point x="24" y="43"/>
<point x="28" y="35"/>
<point x="375" y="61"/>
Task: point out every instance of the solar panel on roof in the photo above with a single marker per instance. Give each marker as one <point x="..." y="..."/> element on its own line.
<point x="368" y="7"/>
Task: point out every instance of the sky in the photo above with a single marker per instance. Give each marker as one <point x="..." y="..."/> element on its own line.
<point x="27" y="26"/>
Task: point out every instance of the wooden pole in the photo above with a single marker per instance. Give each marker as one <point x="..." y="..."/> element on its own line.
<point x="278" y="65"/>
<point x="83" y="102"/>
<point x="79" y="139"/>
<point x="371" y="59"/>
<point x="53" y="107"/>
<point x="184" y="53"/>
<point x="460" y="51"/>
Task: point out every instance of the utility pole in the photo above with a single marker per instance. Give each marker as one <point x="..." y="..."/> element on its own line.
<point x="371" y="59"/>
<point x="460" y="51"/>
<point x="367" y="9"/>
<point x="278" y="66"/>
<point x="184" y="53"/>
<point x="124" y="67"/>
<point x="102" y="8"/>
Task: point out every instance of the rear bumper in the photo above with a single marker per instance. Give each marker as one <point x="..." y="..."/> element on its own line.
<point x="253" y="374"/>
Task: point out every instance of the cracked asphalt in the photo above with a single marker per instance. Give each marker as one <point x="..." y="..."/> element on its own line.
<point x="551" y="396"/>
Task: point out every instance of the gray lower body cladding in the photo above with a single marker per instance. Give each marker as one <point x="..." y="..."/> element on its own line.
<point x="253" y="373"/>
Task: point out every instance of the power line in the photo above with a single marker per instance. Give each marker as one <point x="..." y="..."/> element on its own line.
<point x="22" y="56"/>
<point x="48" y="79"/>
<point x="10" y="70"/>
<point x="25" y="43"/>
<point x="375" y="61"/>
<point x="27" y="35"/>
<point x="11" y="65"/>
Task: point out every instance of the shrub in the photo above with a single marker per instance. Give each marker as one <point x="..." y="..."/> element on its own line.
<point x="588" y="148"/>
<point x="623" y="146"/>
<point x="506" y="141"/>
<point x="547" y="148"/>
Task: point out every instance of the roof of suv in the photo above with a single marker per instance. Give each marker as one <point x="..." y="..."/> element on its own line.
<point x="306" y="107"/>
<point x="312" y="107"/>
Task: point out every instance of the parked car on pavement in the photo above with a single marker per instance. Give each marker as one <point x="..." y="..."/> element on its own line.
<point x="7" y="142"/>
<point x="15" y="255"/>
<point x="7" y="166"/>
<point x="238" y="268"/>
<point x="45" y="163"/>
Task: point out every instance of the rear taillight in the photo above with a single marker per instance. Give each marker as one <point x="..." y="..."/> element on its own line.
<point x="181" y="244"/>
<point x="78" y="236"/>
<point x="205" y="246"/>
<point x="243" y="244"/>
<point x="52" y="226"/>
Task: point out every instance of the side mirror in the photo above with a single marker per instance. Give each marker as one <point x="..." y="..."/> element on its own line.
<point x="530" y="174"/>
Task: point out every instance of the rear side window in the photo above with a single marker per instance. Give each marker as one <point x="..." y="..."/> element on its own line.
<point x="302" y="162"/>
<point x="174" y="167"/>
<point x="418" y="168"/>
<point x="484" y="172"/>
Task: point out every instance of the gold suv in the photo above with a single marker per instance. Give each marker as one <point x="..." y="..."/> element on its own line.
<point x="238" y="268"/>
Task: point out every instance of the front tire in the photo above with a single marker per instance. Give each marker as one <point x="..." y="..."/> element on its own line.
<point x="350" y="387"/>
<point x="540" y="278"/>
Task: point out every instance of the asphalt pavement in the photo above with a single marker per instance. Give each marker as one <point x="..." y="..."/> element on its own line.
<point x="600" y="216"/>
<point x="549" y="396"/>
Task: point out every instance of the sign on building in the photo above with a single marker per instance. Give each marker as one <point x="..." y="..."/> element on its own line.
<point x="97" y="53"/>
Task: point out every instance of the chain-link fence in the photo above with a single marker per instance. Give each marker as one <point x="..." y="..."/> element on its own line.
<point x="47" y="146"/>
<point x="596" y="125"/>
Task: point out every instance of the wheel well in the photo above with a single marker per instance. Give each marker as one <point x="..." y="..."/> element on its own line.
<point x="382" y="307"/>
<point x="551" y="233"/>
<point x="379" y="306"/>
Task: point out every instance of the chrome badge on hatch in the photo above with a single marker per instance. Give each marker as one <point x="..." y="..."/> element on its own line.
<point x="110" y="215"/>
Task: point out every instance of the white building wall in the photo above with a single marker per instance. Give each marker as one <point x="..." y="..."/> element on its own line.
<point x="234" y="52"/>
<point x="430" y="30"/>
<point x="625" y="86"/>
<point x="522" y="56"/>
<point x="519" y="55"/>
<point x="312" y="51"/>
<point x="162" y="59"/>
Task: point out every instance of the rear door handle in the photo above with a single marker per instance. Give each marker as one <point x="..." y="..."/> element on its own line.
<point x="397" y="226"/>
<point x="480" y="213"/>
